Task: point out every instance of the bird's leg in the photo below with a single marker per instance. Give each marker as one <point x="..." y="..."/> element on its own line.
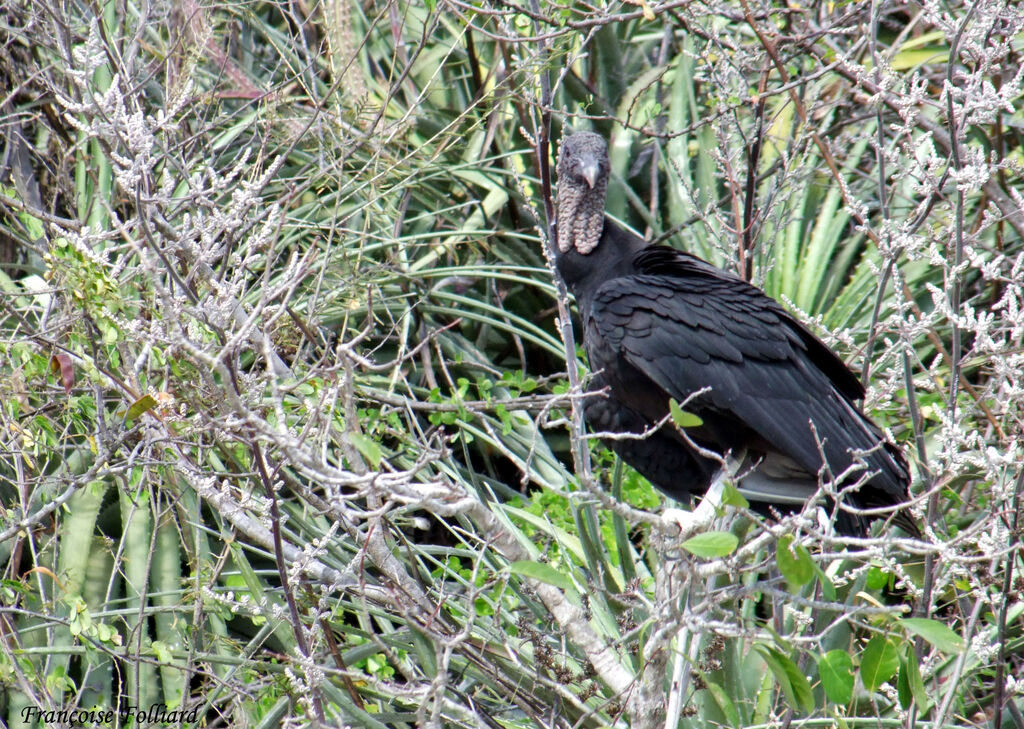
<point x="700" y="519"/>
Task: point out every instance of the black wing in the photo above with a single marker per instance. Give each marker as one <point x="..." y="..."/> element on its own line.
<point x="684" y="325"/>
<point x="660" y="455"/>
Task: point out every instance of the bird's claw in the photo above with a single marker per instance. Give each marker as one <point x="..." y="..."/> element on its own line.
<point x="679" y="518"/>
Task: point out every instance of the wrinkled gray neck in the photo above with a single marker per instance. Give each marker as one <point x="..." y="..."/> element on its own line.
<point x="580" y="215"/>
<point x="612" y="258"/>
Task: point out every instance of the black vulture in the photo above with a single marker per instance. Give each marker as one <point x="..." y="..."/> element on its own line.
<point x="659" y="324"/>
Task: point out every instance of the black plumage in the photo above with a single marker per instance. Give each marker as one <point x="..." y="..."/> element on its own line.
<point x="659" y="324"/>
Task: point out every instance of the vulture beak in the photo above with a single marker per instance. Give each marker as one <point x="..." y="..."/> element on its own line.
<point x="590" y="169"/>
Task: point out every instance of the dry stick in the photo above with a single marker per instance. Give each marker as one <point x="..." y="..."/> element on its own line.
<point x="687" y="642"/>
<point x="527" y="403"/>
<point x="883" y="202"/>
<point x="736" y="211"/>
<point x="580" y="454"/>
<point x="876" y="310"/>
<point x="998" y="687"/>
<point x="282" y="571"/>
<point x="655" y="198"/>
<point x="335" y="651"/>
<point x="958" y="669"/>
<point x="916" y="421"/>
<point x="954" y="296"/>
<point x="753" y="159"/>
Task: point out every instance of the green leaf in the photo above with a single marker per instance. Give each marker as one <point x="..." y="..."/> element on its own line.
<point x="794" y="561"/>
<point x="828" y="590"/>
<point x="368" y="447"/>
<point x="905" y="60"/>
<point x="724" y="702"/>
<point x="711" y="544"/>
<point x="938" y="634"/>
<point x="543" y="573"/>
<point x="104" y="632"/>
<point x="731" y="496"/>
<point x="876" y="579"/>
<point x="792" y="682"/>
<point x="565" y="539"/>
<point x="142" y="405"/>
<point x="909" y="684"/>
<point x="681" y="418"/>
<point x="81" y="620"/>
<point x="878" y="662"/>
<point x="836" y="671"/>
<point x="162" y="651"/>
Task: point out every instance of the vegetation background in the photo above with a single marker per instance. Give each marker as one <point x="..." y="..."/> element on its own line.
<point x="287" y="435"/>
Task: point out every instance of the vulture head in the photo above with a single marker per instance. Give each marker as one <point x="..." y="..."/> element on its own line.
<point x="582" y="183"/>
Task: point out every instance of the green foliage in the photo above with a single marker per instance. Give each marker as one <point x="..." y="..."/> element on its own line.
<point x="910" y="684"/>
<point x="681" y="418"/>
<point x="793" y="561"/>
<point x="939" y="635"/>
<point x="836" y="671"/>
<point x="879" y="661"/>
<point x="711" y="544"/>
<point x="789" y="678"/>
